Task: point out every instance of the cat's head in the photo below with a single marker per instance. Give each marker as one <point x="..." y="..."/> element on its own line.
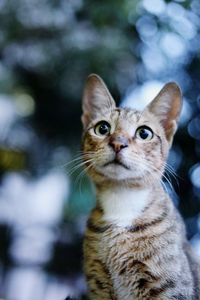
<point x="123" y="144"/>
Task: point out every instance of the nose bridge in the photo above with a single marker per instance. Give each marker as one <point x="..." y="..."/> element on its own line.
<point x="118" y="141"/>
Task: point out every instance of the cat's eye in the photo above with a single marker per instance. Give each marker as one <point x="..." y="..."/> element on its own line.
<point x="102" y="128"/>
<point x="144" y="133"/>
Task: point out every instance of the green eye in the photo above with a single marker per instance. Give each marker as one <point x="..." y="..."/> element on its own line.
<point x="102" y="128"/>
<point x="144" y="133"/>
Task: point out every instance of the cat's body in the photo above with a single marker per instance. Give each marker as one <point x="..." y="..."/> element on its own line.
<point x="145" y="259"/>
<point x="135" y="245"/>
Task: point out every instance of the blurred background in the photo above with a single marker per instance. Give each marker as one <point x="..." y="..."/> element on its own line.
<point x="47" y="49"/>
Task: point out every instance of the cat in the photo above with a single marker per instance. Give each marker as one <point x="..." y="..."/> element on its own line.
<point x="135" y="245"/>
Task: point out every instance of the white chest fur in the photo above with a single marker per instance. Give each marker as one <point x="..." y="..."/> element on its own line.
<point x="122" y="205"/>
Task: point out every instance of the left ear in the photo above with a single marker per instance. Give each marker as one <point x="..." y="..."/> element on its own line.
<point x="97" y="99"/>
<point x="167" y="107"/>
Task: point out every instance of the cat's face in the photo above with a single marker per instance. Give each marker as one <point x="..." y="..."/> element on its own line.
<point x="124" y="144"/>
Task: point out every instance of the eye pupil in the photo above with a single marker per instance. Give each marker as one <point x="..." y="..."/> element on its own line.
<point x="144" y="133"/>
<point x="102" y="128"/>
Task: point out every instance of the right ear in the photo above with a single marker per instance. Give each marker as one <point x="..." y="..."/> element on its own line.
<point x="167" y="107"/>
<point x="96" y="99"/>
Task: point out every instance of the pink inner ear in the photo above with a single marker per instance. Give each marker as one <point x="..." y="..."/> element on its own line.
<point x="175" y="109"/>
<point x="170" y="129"/>
<point x="171" y="114"/>
<point x="85" y="119"/>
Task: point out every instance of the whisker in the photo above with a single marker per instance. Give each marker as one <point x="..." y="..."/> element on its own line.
<point x="82" y="175"/>
<point x="79" y="165"/>
<point x="147" y="164"/>
<point x="79" y="156"/>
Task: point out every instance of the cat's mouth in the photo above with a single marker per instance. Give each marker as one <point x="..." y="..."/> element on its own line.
<point x="116" y="161"/>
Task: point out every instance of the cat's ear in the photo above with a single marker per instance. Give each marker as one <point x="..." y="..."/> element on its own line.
<point x="166" y="106"/>
<point x="96" y="99"/>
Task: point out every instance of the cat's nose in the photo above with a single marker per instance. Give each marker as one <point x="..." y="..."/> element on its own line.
<point x="118" y="143"/>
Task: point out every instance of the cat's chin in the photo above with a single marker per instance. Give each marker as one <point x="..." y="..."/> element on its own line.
<point x="117" y="163"/>
<point x="118" y="171"/>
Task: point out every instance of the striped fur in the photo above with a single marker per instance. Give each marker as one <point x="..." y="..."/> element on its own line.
<point x="135" y="245"/>
<point x="149" y="260"/>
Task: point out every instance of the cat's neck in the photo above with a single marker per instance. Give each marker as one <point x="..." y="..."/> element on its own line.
<point x="122" y="205"/>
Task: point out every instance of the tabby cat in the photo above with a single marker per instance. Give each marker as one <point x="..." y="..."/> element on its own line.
<point x="135" y="245"/>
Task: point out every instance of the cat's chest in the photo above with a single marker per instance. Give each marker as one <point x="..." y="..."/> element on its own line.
<point x="122" y="206"/>
<point x="118" y="251"/>
<point x="121" y="209"/>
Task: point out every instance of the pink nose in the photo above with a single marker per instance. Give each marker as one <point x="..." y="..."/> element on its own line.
<point x="118" y="143"/>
